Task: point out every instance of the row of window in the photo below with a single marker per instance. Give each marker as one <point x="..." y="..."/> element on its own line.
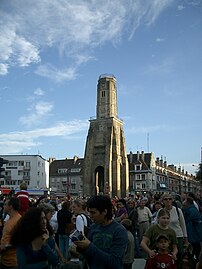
<point x="22" y="173"/>
<point x="22" y="163"/>
<point x="65" y="170"/>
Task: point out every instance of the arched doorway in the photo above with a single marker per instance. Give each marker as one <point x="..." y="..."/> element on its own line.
<point x="99" y="179"/>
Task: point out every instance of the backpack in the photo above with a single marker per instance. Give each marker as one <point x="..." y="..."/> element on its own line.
<point x="89" y="223"/>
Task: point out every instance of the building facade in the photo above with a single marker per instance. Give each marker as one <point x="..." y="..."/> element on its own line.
<point x="32" y="169"/>
<point x="105" y="160"/>
<point x="148" y="174"/>
<point x="66" y="178"/>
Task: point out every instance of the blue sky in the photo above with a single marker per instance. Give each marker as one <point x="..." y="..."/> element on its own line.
<point x="51" y="56"/>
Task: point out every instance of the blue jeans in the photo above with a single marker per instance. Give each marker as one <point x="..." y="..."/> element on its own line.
<point x="64" y="245"/>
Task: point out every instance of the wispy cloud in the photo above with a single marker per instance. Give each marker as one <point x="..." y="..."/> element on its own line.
<point x="159" y="40"/>
<point x="18" y="142"/>
<point x="164" y="67"/>
<point x="58" y="75"/>
<point x="149" y="129"/>
<point x="180" y="7"/>
<point x="39" y="92"/>
<point x="74" y="28"/>
<point x="37" y="112"/>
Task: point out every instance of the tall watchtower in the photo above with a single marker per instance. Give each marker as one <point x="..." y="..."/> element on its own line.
<point x="105" y="160"/>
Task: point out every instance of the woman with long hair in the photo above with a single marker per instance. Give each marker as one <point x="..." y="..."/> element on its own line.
<point x="34" y="249"/>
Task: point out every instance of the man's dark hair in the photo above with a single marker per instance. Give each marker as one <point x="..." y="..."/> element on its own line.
<point x="101" y="202"/>
<point x="14" y="202"/>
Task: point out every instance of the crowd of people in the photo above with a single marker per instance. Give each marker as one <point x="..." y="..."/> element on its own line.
<point x="100" y="232"/>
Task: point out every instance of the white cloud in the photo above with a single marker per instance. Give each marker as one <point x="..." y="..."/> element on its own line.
<point x="51" y="72"/>
<point x="38" y="112"/>
<point x="180" y="7"/>
<point x="18" y="142"/>
<point x="26" y="53"/>
<point x="71" y="27"/>
<point x="158" y="39"/>
<point x="39" y="92"/>
<point x="3" y="69"/>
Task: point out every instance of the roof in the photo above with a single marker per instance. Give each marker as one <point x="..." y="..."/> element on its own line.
<point x="140" y="158"/>
<point x="65" y="164"/>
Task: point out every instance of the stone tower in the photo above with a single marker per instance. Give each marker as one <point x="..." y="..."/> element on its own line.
<point x="105" y="161"/>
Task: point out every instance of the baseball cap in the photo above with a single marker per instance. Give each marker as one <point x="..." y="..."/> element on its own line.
<point x="159" y="237"/>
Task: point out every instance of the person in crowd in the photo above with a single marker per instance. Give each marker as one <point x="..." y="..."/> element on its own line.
<point x="74" y="261"/>
<point x="162" y="259"/>
<point x="131" y="204"/>
<point x="34" y="247"/>
<point x="144" y="218"/>
<point x="1" y="214"/>
<point x="129" y="255"/>
<point x="64" y="217"/>
<point x="23" y="196"/>
<point x="192" y="220"/>
<point x="8" y="252"/>
<point x="121" y="212"/>
<point x="107" y="239"/>
<point x="79" y="211"/>
<point x="177" y="223"/>
<point x="193" y="196"/>
<point x="148" y="242"/>
<point x="49" y="211"/>
<point x="158" y="205"/>
<point x="54" y="221"/>
<point x="199" y="263"/>
<point x="133" y="216"/>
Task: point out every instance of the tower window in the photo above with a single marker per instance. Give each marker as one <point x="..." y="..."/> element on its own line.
<point x="103" y="93"/>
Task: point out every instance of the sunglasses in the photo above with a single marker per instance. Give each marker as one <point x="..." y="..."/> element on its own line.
<point x="166" y="199"/>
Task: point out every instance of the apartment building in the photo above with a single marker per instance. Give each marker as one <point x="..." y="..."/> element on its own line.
<point x="32" y="169"/>
<point x="148" y="174"/>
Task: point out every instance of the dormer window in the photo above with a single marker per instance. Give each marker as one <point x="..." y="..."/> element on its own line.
<point x="137" y="167"/>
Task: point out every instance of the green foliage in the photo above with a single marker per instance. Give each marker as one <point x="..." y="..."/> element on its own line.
<point x="199" y="173"/>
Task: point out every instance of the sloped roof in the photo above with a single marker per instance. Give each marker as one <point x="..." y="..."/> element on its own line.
<point x="65" y="164"/>
<point x="144" y="159"/>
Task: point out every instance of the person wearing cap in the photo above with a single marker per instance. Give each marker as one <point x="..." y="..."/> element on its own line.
<point x="177" y="223"/>
<point x="162" y="259"/>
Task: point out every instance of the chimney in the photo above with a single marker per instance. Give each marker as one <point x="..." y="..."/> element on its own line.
<point x="131" y="157"/>
<point x="161" y="161"/>
<point x="75" y="158"/>
<point x="138" y="155"/>
<point x="51" y="159"/>
<point x="143" y="155"/>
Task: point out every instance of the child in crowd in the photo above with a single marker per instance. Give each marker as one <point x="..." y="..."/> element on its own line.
<point x="148" y="242"/>
<point x="74" y="262"/>
<point x="162" y="259"/>
<point x="129" y="253"/>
